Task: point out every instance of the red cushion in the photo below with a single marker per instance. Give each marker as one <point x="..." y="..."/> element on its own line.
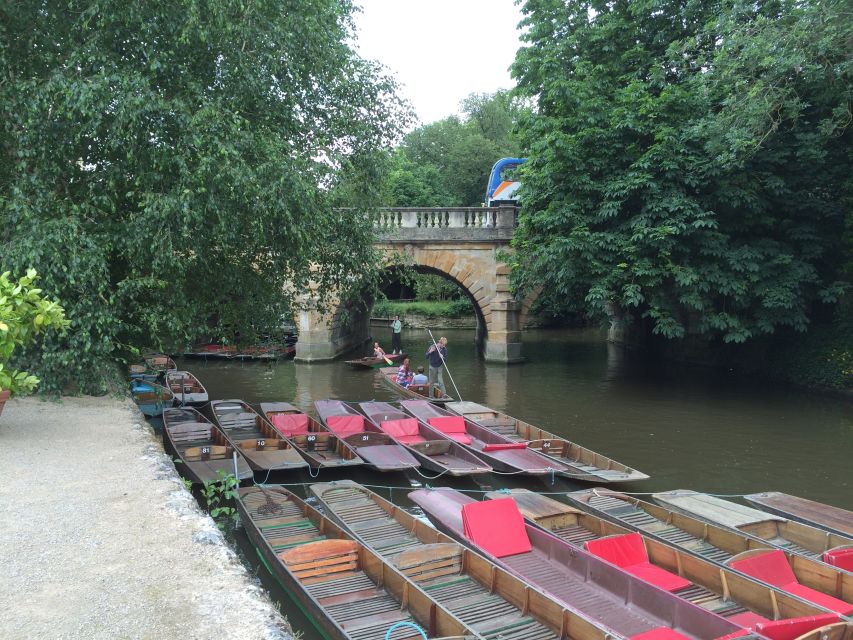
<point x="290" y="424"/>
<point x="462" y="438"/>
<point x="448" y="424"/>
<point x="410" y="439"/>
<point x="748" y="619"/>
<point x="402" y="427"/>
<point x="659" y="577"/>
<point x="346" y="425"/>
<point x="503" y="447"/>
<point x="623" y="550"/>
<point x="794" y="627"/>
<point x="820" y="599"/>
<point x="496" y="526"/>
<point x="660" y="633"/>
<point x="841" y="558"/>
<point x="771" y="567"/>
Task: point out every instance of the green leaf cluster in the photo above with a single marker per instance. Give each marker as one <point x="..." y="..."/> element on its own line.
<point x="689" y="161"/>
<point x="168" y="167"/>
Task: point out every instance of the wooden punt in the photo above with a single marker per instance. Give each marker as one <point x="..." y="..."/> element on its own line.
<point x="576" y="462"/>
<point x="493" y="602"/>
<point x="247" y="431"/>
<point x="499" y="451"/>
<point x="838" y="631"/>
<point x="160" y="363"/>
<point x="372" y="362"/>
<point x="710" y="541"/>
<point x="433" y="449"/>
<point x="377" y="449"/>
<point x="623" y="604"/>
<point x="319" y="446"/>
<point x="204" y="451"/>
<point x="151" y="398"/>
<point x="742" y="600"/>
<point x="415" y="391"/>
<point x="141" y="372"/>
<point x="815" y="514"/>
<point x="349" y="591"/>
<point x="186" y="388"/>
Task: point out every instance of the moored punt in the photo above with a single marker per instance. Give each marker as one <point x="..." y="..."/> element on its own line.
<point x="151" y="398"/>
<point x="212" y="351"/>
<point x="160" y="363"/>
<point x="376" y="448"/>
<point x="247" y="431"/>
<point x="319" y="446"/>
<point x="141" y="372"/>
<point x="815" y="514"/>
<point x="500" y="452"/>
<point x="434" y="450"/>
<point x="624" y="604"/>
<point x="204" y="451"/>
<point x="186" y="388"/>
<point x="372" y="362"/>
<point x="348" y="589"/>
<point x="839" y="631"/>
<point x="810" y="579"/>
<point x="742" y="600"/>
<point x="579" y="462"/>
<point x="493" y="602"/>
<point x="415" y="391"/>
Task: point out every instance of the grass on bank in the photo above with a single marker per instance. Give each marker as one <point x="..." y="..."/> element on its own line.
<point x="429" y="308"/>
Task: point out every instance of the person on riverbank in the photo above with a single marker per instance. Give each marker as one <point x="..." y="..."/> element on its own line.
<point x="396" y="331"/>
<point x="437" y="357"/>
<point x="405" y="375"/>
<point x="420" y="378"/>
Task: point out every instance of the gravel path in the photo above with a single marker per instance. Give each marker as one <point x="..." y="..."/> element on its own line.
<point x="99" y="539"/>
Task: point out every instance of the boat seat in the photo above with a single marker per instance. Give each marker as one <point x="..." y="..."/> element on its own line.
<point x="410" y="439"/>
<point x="290" y="424"/>
<point x="346" y="425"/>
<point x="190" y="432"/>
<point x="773" y="568"/>
<point x="504" y="446"/>
<point x="663" y="633"/>
<point x="324" y="558"/>
<point x="841" y="557"/>
<point x="404" y="430"/>
<point x="794" y="627"/>
<point x="628" y="552"/>
<point x="452" y="426"/>
<point x="496" y="526"/>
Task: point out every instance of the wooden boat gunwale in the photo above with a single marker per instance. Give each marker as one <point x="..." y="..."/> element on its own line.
<point x="834" y="519"/>
<point x="195" y="397"/>
<point x="347" y="456"/>
<point x="372" y="362"/>
<point x="389" y="375"/>
<point x="160" y="396"/>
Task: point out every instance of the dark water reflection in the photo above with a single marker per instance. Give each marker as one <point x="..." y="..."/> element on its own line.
<point x="685" y="427"/>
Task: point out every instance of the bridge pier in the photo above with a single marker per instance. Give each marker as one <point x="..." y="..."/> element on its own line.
<point x="326" y="335"/>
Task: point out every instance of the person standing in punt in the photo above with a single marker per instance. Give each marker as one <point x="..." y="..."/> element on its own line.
<point x="396" y="330"/>
<point x="437" y="357"/>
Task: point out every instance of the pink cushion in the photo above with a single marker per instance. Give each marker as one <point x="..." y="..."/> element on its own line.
<point x="461" y="438"/>
<point x="504" y="446"/>
<point x="659" y="577"/>
<point x="820" y="599"/>
<point x="346" y="425"/>
<point x="623" y="551"/>
<point x="841" y="558"/>
<point x="496" y="526"/>
<point x="290" y="424"/>
<point x="794" y="627"/>
<point x="660" y="633"/>
<point x="448" y="424"/>
<point x="771" y="567"/>
<point x="748" y="619"/>
<point x="403" y="427"/>
<point x="410" y="439"/>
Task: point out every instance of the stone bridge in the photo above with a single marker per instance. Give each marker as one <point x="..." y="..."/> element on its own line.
<point x="459" y="244"/>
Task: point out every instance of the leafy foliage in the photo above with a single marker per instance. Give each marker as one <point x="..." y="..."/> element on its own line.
<point x="167" y="166"/>
<point x="218" y="494"/>
<point x="24" y="316"/>
<point x="689" y="161"/>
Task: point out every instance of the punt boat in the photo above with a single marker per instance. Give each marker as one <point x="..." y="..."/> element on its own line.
<point x="372" y="362"/>
<point x="742" y="600"/>
<point x="416" y="391"/>
<point x="805" y="577"/>
<point x="345" y="587"/>
<point x="247" y="431"/>
<point x="319" y="446"/>
<point x="839" y="631"/>
<point x="624" y="604"/>
<point x="433" y="449"/>
<point x="580" y="463"/>
<point x="377" y="449"/>
<point x="186" y="388"/>
<point x="204" y="451"/>
<point x="493" y="602"/>
<point x="160" y="363"/>
<point x="499" y="451"/>
<point x="141" y="372"/>
<point x="151" y="398"/>
<point x="815" y="514"/>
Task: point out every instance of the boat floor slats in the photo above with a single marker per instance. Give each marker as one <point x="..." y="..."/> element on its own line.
<point x="327" y="588"/>
<point x="575" y="534"/>
<point x="378" y="631"/>
<point x="793" y="547"/>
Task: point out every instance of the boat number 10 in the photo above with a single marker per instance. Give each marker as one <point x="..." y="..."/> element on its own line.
<point x="262" y="443"/>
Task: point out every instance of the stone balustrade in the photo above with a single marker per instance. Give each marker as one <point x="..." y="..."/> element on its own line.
<point x="446" y="223"/>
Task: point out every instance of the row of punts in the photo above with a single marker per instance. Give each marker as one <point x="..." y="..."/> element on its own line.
<point x="521" y="566"/>
<point x="266" y="352"/>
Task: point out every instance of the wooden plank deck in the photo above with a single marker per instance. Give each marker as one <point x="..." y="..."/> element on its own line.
<point x="717" y="510"/>
<point x="824" y="516"/>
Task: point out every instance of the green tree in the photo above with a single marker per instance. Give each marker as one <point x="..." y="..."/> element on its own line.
<point x="167" y="166"/>
<point x="690" y="162"/>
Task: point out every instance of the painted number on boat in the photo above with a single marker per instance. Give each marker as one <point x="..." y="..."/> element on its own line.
<point x="205" y="451"/>
<point x="546" y="444"/>
<point x="262" y="443"/>
<point x="365" y="438"/>
<point x="311" y="438"/>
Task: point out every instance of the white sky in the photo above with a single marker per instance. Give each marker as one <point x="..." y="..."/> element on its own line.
<point x="441" y="50"/>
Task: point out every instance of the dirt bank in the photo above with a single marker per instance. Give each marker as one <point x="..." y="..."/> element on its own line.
<point x="99" y="539"/>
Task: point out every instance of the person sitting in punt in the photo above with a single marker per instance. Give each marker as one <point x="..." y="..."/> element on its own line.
<point x="405" y="375"/>
<point x="419" y="377"/>
<point x="378" y="352"/>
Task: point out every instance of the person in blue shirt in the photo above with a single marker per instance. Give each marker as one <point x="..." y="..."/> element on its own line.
<point x="420" y="378"/>
<point x="437" y="358"/>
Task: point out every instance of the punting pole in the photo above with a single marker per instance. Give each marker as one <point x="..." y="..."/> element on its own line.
<point x="236" y="473"/>
<point x="444" y="362"/>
